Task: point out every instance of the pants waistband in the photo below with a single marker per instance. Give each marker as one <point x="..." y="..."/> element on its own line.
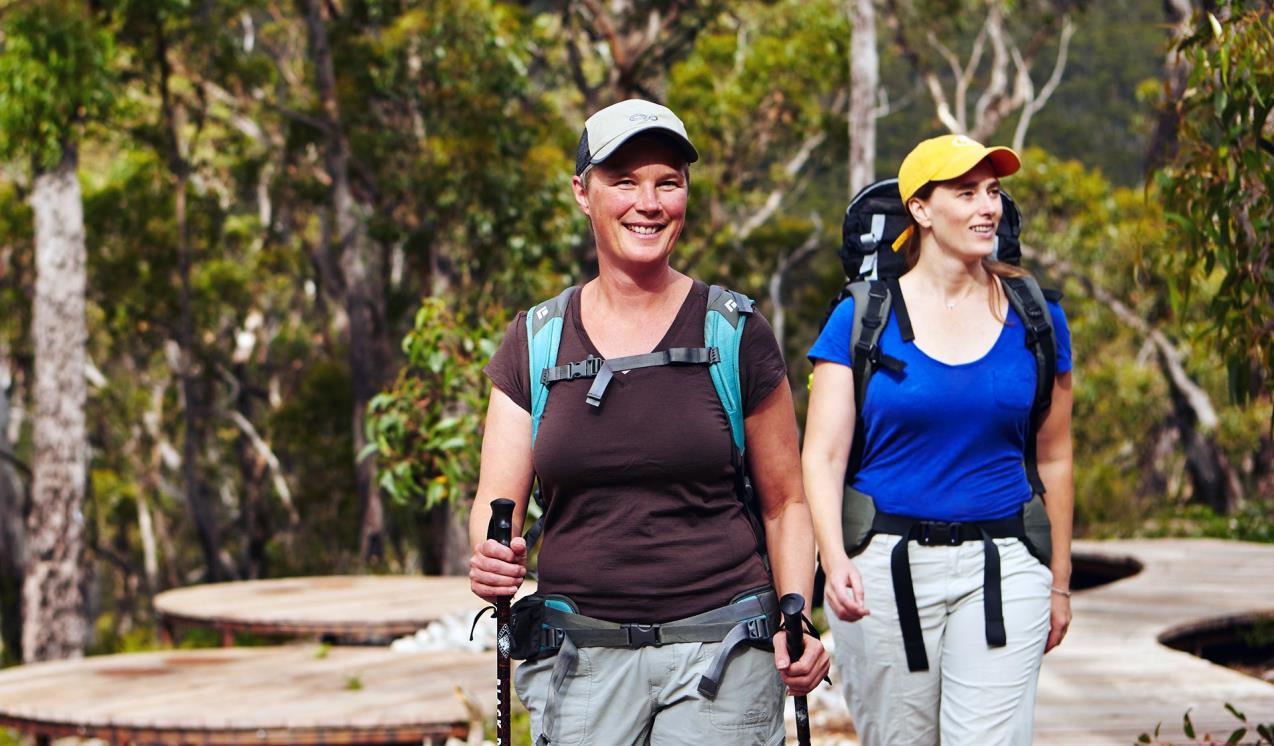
<point x="948" y="533"/>
<point x="757" y="613"/>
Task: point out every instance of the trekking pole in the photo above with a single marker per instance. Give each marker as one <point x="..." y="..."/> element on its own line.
<point x="501" y="529"/>
<point x="791" y="606"/>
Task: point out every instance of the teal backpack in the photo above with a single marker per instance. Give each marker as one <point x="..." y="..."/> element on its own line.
<point x="722" y="334"/>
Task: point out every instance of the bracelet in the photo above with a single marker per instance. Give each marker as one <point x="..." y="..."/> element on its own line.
<point x="1061" y="592"/>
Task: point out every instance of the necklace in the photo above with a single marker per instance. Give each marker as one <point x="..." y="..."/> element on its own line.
<point x="952" y="304"/>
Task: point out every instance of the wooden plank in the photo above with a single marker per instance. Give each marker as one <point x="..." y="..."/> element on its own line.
<point x="347" y="606"/>
<point x="291" y="694"/>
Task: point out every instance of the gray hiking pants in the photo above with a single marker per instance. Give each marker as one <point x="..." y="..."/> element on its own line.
<point x="617" y="696"/>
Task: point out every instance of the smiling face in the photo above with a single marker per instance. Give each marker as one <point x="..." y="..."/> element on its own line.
<point x="636" y="201"/>
<point x="961" y="214"/>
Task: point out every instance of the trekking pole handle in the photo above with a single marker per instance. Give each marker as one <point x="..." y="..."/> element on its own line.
<point x="791" y="606"/>
<point x="500" y="528"/>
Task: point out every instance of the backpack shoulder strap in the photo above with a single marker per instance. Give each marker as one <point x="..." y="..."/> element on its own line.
<point x="543" y="335"/>
<point x="723" y="329"/>
<point x="871" y="310"/>
<point x="1028" y="300"/>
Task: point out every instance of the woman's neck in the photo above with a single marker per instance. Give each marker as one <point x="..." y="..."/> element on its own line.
<point x="635" y="290"/>
<point x="948" y="277"/>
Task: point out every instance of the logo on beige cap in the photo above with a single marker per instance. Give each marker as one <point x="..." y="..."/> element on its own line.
<point x="964" y="142"/>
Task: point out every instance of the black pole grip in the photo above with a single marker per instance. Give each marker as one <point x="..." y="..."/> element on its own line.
<point x="791" y="606"/>
<point x="501" y="526"/>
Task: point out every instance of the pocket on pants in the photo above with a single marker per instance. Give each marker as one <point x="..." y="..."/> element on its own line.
<point x="751" y="692"/>
<point x="532" y="681"/>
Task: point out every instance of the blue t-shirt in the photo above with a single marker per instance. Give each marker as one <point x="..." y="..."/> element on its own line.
<point x="945" y="442"/>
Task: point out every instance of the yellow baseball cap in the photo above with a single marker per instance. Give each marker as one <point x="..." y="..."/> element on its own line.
<point x="946" y="157"/>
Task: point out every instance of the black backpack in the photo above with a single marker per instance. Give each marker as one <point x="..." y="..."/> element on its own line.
<point x="873" y="220"/>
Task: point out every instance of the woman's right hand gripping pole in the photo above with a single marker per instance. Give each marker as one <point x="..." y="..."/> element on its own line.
<point x="829" y="433"/>
<point x="496" y="571"/>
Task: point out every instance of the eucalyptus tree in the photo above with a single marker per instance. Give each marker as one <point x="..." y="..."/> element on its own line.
<point x="472" y="160"/>
<point x="624" y="48"/>
<point x="997" y="64"/>
<point x="1219" y="189"/>
<point x="55" y="71"/>
<point x="864" y="91"/>
<point x="765" y="94"/>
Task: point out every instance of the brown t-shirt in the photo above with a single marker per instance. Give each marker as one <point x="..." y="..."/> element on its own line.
<point x="643" y="523"/>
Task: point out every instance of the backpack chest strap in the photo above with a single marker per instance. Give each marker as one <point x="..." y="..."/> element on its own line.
<point x="603" y="370"/>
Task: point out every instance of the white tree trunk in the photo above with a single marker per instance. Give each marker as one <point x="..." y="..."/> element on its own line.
<point x="54" y="624"/>
<point x="864" y="83"/>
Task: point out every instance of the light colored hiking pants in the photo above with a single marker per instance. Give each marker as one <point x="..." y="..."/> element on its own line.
<point x="617" y="696"/>
<point x="972" y="694"/>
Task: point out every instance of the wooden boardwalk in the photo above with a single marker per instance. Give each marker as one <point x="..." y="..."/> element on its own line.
<point x="297" y="694"/>
<point x="348" y="607"/>
<point x="1112" y="679"/>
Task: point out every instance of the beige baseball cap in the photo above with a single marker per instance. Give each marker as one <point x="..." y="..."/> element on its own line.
<point x="608" y="129"/>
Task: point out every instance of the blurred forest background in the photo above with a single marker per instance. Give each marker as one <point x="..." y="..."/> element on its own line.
<point x="255" y="252"/>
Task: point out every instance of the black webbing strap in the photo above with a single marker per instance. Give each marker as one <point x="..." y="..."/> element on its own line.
<point x="913" y="640"/>
<point x="1039" y="339"/>
<point x="867" y="354"/>
<point x="941" y="533"/>
<point x="674" y="356"/>
<point x="602" y="371"/>
<point x="900" y="310"/>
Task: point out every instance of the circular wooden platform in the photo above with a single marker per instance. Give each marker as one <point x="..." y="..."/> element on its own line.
<point x="298" y="694"/>
<point x="347" y="607"/>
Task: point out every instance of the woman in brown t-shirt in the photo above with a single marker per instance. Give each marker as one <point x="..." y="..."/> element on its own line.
<point x="643" y="523"/>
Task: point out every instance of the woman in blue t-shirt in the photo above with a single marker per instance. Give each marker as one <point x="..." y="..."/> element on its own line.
<point x="944" y="447"/>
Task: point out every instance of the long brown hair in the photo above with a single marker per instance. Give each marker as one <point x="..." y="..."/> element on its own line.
<point x="911" y="253"/>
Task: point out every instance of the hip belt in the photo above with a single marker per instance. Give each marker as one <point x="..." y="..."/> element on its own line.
<point x="752" y="617"/>
<point x="942" y="533"/>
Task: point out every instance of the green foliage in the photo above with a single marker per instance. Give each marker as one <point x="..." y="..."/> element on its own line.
<point x="312" y="436"/>
<point x="108" y="638"/>
<point x="424" y="430"/>
<point x="519" y="727"/>
<point x="55" y="68"/>
<point x="1129" y="477"/>
<point x="1096" y="115"/>
<point x="1252" y="522"/>
<point x="1219" y="192"/>
<point x="1246" y="733"/>
<point x="472" y="167"/>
